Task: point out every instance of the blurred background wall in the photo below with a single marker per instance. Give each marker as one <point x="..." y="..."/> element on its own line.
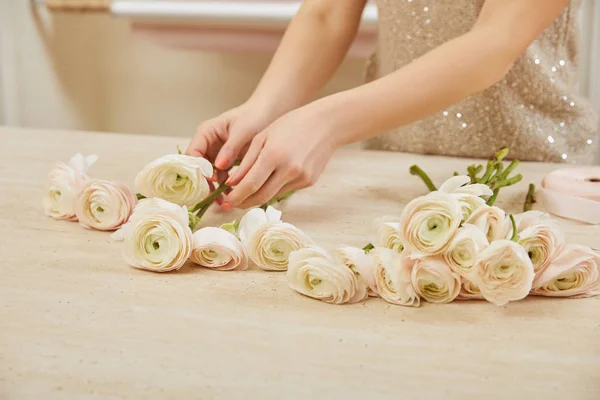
<point x="90" y="72"/>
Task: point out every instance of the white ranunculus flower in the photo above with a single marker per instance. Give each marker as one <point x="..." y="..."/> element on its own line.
<point x="270" y="246"/>
<point x="63" y="184"/>
<point x="428" y="223"/>
<point x="468" y="242"/>
<point x="468" y="195"/>
<point x="532" y="218"/>
<point x="434" y="281"/>
<point x="218" y="249"/>
<point x="361" y="264"/>
<point x="314" y="273"/>
<point x="492" y="221"/>
<point x="157" y="237"/>
<point x="177" y="178"/>
<point x="574" y="273"/>
<point x="104" y="205"/>
<point x="388" y="233"/>
<point x="255" y="219"/>
<point x="268" y="241"/>
<point x="469" y="291"/>
<point x="503" y="272"/>
<point x="542" y="243"/>
<point x="393" y="277"/>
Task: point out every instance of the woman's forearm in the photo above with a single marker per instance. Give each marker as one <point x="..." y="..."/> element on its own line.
<point x="446" y="75"/>
<point x="311" y="50"/>
<point x="428" y="85"/>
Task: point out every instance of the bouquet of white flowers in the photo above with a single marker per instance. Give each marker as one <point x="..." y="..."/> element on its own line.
<point x="451" y="243"/>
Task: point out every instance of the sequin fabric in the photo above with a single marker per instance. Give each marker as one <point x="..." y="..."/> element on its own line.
<point x="535" y="110"/>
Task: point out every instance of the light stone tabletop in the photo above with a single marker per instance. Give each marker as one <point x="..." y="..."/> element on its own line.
<point x="77" y="323"/>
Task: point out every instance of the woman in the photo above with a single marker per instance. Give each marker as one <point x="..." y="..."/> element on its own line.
<point x="450" y="77"/>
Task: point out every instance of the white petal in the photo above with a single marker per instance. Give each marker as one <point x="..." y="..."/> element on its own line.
<point x="250" y="223"/>
<point x="273" y="214"/>
<point x="452" y="184"/>
<point x="476" y="189"/>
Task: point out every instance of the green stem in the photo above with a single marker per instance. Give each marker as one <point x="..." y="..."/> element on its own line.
<point x="502" y="154"/>
<point x="508" y="182"/>
<point x="472" y="173"/>
<point x="368" y="248"/>
<point x="498" y="167"/>
<point x="513" y="164"/>
<point x="416" y="170"/>
<point x="277" y="199"/>
<point x="530" y="198"/>
<point x="200" y="213"/>
<point x="515" y="235"/>
<point x="493" y="197"/>
<point x="211" y="198"/>
<point x="478" y="169"/>
<point x="488" y="172"/>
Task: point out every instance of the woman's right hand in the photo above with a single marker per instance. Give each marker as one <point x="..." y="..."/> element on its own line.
<point x="223" y="139"/>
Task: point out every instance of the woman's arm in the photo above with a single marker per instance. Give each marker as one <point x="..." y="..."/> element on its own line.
<point x="311" y="50"/>
<point x="453" y="71"/>
<point x="293" y="151"/>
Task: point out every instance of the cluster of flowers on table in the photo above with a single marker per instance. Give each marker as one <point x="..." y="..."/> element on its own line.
<point x="446" y="245"/>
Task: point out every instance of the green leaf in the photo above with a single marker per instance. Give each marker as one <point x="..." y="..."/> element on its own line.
<point x="231" y="227"/>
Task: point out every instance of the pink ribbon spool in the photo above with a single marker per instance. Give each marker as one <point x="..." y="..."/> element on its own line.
<point x="573" y="193"/>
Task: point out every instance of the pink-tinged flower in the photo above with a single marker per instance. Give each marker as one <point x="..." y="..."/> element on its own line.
<point x="177" y="178"/>
<point x="574" y="273"/>
<point x="268" y="241"/>
<point x="434" y="281"/>
<point x="218" y="249"/>
<point x="393" y="277"/>
<point x="492" y="221"/>
<point x="468" y="242"/>
<point x="157" y="236"/>
<point x="428" y="223"/>
<point x="388" y="232"/>
<point x="104" y="205"/>
<point x="503" y="272"/>
<point x="542" y="243"/>
<point x="469" y="291"/>
<point x="532" y="218"/>
<point x="63" y="184"/>
<point x="468" y="195"/>
<point x="361" y="264"/>
<point x="314" y="273"/>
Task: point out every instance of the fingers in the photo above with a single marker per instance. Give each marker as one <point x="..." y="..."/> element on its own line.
<point x="252" y="182"/>
<point x="207" y="141"/>
<point x="231" y="148"/>
<point x="198" y="146"/>
<point x="296" y="184"/>
<point x="267" y="191"/>
<point x="247" y="162"/>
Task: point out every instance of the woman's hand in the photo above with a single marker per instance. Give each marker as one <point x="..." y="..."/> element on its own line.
<point x="222" y="139"/>
<point x="290" y="154"/>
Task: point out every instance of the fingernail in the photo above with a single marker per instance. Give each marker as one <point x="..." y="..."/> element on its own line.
<point x="229" y="180"/>
<point x="226" y="206"/>
<point x="221" y="163"/>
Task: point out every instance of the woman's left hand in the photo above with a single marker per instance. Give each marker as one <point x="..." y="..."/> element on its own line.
<point x="289" y="154"/>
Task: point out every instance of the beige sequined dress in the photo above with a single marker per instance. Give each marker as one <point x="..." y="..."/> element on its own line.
<point x="535" y="110"/>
